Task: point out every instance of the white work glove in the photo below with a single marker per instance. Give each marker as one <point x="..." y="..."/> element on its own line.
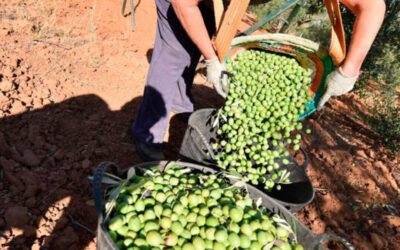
<point x="217" y="77"/>
<point x="337" y="84"/>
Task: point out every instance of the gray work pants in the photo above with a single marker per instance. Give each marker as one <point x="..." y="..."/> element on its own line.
<point x="170" y="76"/>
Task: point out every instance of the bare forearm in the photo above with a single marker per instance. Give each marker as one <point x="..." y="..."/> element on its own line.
<point x="192" y="21"/>
<point x="369" y="19"/>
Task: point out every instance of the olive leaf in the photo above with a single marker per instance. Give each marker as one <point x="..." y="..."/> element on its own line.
<point x="186" y="170"/>
<point x="149" y="172"/>
<point x="224" y="117"/>
<point x="109" y="206"/>
<point x="112" y="176"/>
<point x="294" y="226"/>
<point x="285" y="175"/>
<point x="216" y="122"/>
<point x="268" y="246"/>
<point x="232" y="174"/>
<point x="169" y="165"/>
<point x="114" y="192"/>
<point x="236" y="103"/>
<point x="131" y="173"/>
<point x="258" y="202"/>
<point x="284" y="224"/>
<point x="105" y="180"/>
<point x="112" y="199"/>
<point x="239" y="184"/>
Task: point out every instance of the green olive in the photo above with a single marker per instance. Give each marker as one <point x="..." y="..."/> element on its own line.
<point x="171" y="239"/>
<point x="177" y="227"/>
<point x="211" y="221"/>
<point x="199" y="243"/>
<point x="234" y="240"/>
<point x="221" y="236"/>
<point x="153" y="238"/>
<point x="236" y="214"/>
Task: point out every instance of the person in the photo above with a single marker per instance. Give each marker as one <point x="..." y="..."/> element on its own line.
<point x="183" y="33"/>
<point x="369" y="18"/>
<point x="184" y="28"/>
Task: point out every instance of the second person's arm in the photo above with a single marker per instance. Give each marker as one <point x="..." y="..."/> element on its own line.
<point x="192" y="21"/>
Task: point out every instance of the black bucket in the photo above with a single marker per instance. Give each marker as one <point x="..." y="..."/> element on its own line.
<point x="196" y="141"/>
<point x="196" y="147"/>
<point x="304" y="236"/>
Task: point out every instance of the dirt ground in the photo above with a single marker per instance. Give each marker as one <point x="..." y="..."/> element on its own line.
<point x="71" y="79"/>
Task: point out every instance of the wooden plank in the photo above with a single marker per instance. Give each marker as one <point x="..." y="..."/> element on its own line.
<point x="337" y="48"/>
<point x="218" y="12"/>
<point x="228" y="28"/>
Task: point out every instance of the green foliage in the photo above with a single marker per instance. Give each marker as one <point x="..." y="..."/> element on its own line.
<point x="383" y="65"/>
<point x="311" y="22"/>
<point x="386" y="121"/>
<point x="262" y="10"/>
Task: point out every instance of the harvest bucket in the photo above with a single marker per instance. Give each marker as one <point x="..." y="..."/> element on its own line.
<point x="196" y="147"/>
<point x="304" y="236"/>
<point x="311" y="56"/>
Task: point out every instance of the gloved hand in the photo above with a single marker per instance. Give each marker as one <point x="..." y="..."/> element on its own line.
<point x="216" y="77"/>
<point x="337" y="84"/>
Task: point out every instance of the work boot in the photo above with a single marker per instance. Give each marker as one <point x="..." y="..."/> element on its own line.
<point x="149" y="152"/>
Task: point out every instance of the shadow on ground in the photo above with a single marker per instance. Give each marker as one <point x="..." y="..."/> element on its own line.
<point x="46" y="157"/>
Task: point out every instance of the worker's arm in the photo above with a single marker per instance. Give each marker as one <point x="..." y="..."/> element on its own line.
<point x="369" y="17"/>
<point x="192" y="21"/>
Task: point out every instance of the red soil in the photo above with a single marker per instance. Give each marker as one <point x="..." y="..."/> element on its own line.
<point x="71" y="78"/>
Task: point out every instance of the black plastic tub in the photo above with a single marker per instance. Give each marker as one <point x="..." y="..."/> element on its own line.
<point x="308" y="239"/>
<point x="196" y="148"/>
